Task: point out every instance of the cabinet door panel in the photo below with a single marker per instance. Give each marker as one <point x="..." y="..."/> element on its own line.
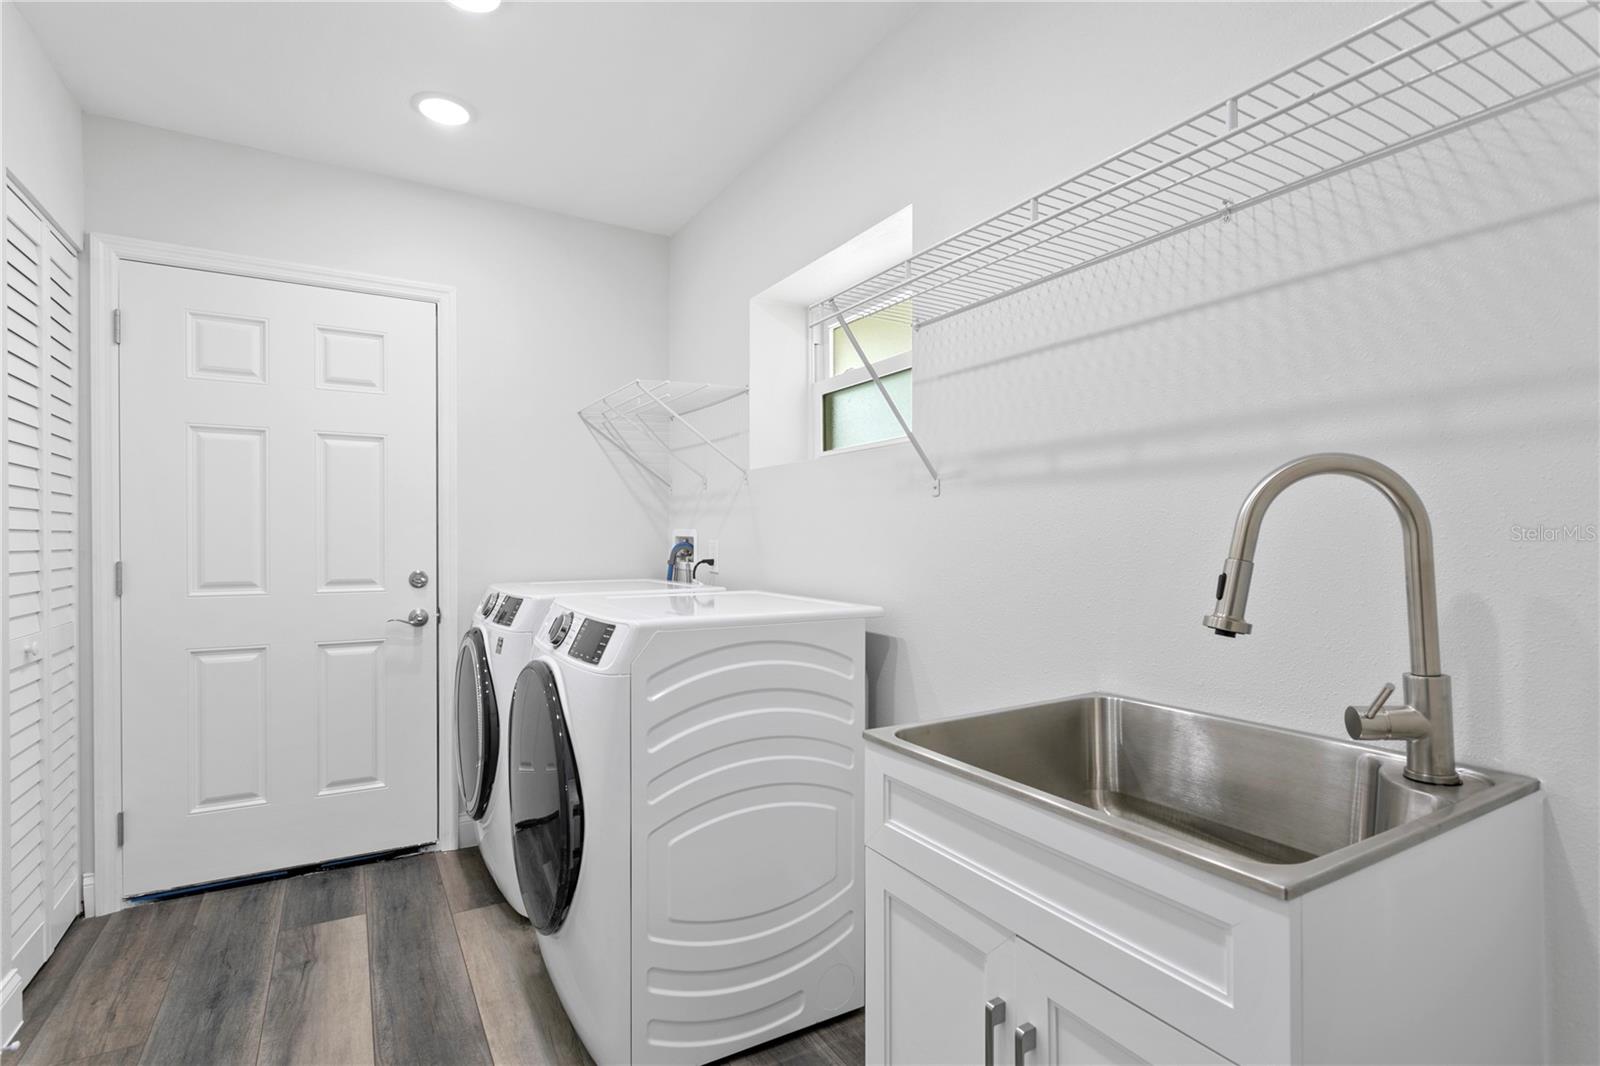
<point x="932" y="965"/>
<point x="1081" y="1023"/>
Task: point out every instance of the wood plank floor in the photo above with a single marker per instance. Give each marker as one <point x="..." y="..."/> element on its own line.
<point x="415" y="960"/>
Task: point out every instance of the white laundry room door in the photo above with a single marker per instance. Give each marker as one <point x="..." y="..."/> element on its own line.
<point x="278" y="465"/>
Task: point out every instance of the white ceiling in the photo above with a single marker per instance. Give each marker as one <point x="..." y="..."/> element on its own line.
<point x="635" y="114"/>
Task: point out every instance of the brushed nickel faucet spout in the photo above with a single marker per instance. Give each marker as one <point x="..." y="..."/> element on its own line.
<point x="1425" y="720"/>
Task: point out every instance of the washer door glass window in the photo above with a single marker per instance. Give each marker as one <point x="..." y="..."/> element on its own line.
<point x="477" y="724"/>
<point x="546" y="801"/>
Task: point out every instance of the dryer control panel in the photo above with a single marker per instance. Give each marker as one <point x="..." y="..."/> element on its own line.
<point x="590" y="643"/>
<point x="506" y="613"/>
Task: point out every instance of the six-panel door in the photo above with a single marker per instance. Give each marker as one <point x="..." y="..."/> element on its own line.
<point x="278" y="485"/>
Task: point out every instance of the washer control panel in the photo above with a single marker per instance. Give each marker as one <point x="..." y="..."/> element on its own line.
<point x="590" y="643"/>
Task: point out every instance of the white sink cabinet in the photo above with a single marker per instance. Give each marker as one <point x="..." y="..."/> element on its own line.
<point x="1113" y="953"/>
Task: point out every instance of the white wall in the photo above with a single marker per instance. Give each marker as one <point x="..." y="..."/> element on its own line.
<point x="1437" y="311"/>
<point x="551" y="312"/>
<point x="43" y="126"/>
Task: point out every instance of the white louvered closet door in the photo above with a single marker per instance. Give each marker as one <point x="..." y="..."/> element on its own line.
<point x="42" y="884"/>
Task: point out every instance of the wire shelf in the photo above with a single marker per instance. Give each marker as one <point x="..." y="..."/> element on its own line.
<point x="641" y="418"/>
<point x="1422" y="73"/>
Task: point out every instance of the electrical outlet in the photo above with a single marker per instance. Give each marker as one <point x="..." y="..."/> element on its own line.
<point x="708" y="550"/>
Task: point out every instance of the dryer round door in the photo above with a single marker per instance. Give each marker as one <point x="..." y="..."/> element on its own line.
<point x="546" y="799"/>
<point x="477" y="724"/>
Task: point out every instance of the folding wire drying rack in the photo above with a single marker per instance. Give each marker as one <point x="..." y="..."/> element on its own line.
<point x="1422" y="73"/>
<point x="642" y="417"/>
<point x="1427" y="71"/>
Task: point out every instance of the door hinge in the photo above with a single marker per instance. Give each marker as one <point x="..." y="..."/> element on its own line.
<point x="121" y="835"/>
<point x="116" y="326"/>
<point x="116" y="578"/>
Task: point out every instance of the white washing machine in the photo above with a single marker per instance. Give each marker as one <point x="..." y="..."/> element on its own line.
<point x="689" y="825"/>
<point x="495" y="647"/>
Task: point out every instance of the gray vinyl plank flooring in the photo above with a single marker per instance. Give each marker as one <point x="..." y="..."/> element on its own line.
<point x="467" y="881"/>
<point x="112" y="1002"/>
<point x="48" y="987"/>
<point x="319" y="1007"/>
<point x="423" y="1007"/>
<point x="843" y="1040"/>
<point x="128" y="1056"/>
<point x="218" y="993"/>
<point x="522" y="1015"/>
<point x="324" y="896"/>
<point x="413" y="960"/>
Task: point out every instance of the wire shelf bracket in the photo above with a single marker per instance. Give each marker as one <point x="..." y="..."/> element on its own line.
<point x="1429" y="70"/>
<point x="639" y="419"/>
<point x="894" y="408"/>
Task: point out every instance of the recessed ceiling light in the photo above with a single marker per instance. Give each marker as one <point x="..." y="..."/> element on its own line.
<point x="442" y="109"/>
<point x="476" y="7"/>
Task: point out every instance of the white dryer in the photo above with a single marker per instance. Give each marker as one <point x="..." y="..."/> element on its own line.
<point x="689" y="828"/>
<point x="495" y="647"/>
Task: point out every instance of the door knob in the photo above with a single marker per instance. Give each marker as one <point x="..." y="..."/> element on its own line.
<point x="418" y="617"/>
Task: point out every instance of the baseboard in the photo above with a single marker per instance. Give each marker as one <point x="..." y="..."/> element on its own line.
<point x="467" y="833"/>
<point x="10" y="1006"/>
<point x="88" y="899"/>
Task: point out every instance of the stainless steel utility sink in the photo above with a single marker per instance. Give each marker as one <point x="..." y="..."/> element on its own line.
<point x="1277" y="810"/>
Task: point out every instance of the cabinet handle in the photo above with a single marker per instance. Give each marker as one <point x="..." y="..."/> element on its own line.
<point x="994" y="1013"/>
<point x="1026" y="1040"/>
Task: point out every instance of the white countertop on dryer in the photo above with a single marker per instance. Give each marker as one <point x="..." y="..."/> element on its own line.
<point x="700" y="608"/>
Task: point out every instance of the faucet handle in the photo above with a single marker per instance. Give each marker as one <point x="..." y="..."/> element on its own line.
<point x="1377" y="704"/>
<point x="1378" y="722"/>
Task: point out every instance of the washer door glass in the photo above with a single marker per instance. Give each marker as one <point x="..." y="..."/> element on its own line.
<point x="546" y="801"/>
<point x="477" y="725"/>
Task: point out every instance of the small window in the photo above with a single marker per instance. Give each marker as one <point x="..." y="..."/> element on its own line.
<point x="849" y="409"/>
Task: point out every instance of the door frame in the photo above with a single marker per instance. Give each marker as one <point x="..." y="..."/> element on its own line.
<point x="107" y="254"/>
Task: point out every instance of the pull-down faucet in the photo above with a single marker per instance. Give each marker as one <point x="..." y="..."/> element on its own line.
<point x="1424" y="722"/>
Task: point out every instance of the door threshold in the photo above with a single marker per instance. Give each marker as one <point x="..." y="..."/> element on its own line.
<point x="276" y="875"/>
